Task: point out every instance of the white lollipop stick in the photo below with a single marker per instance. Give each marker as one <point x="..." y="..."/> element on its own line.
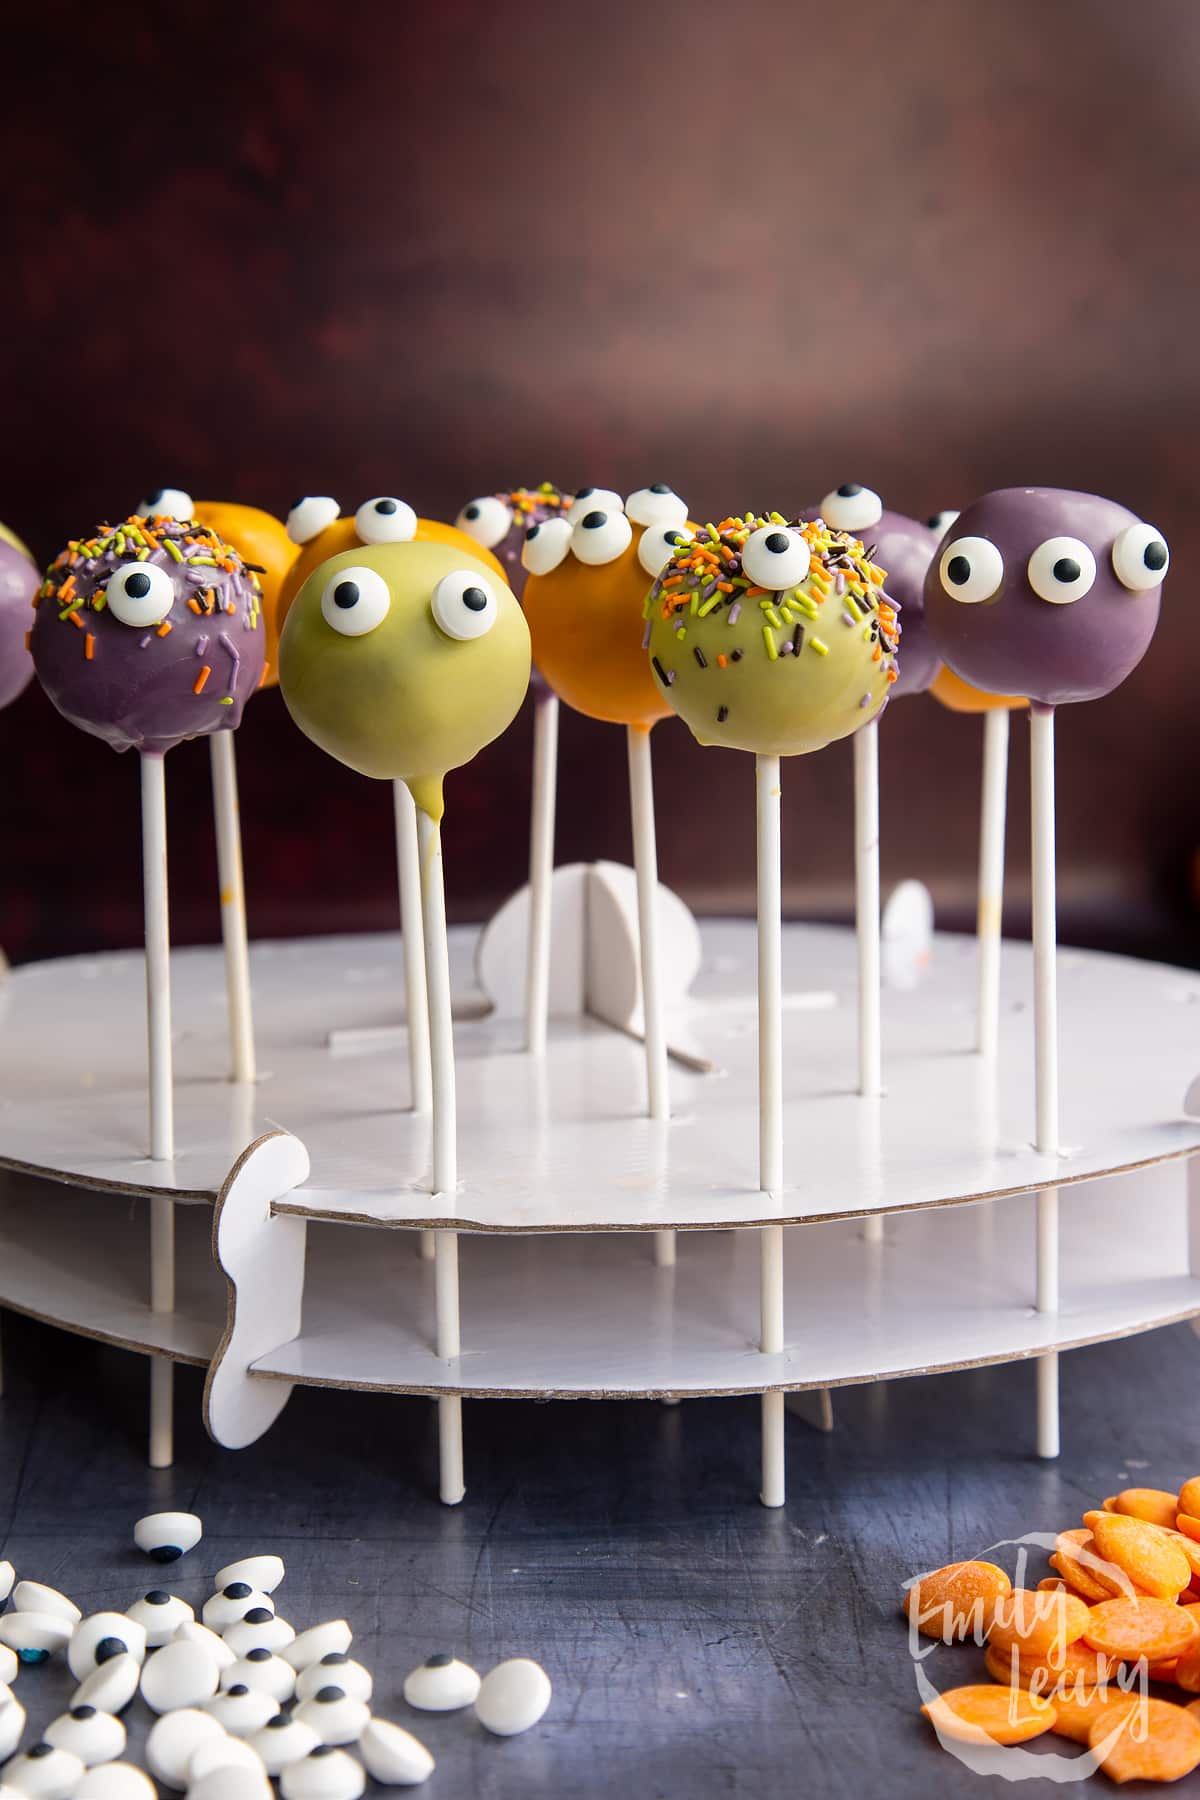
<point x="866" y="905"/>
<point x="645" y="864"/>
<point x="162" y="1122"/>
<point x="770" y="1106"/>
<point x="445" y="1145"/>
<point x="990" y="911"/>
<point x="233" y="906"/>
<point x="1045" y="1015"/>
<point x="412" y="936"/>
<point x="541" y="870"/>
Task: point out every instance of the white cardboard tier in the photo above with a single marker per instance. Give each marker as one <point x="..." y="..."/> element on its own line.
<point x="560" y="1144"/>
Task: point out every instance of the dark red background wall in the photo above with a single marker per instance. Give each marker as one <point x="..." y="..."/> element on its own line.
<point x="754" y="250"/>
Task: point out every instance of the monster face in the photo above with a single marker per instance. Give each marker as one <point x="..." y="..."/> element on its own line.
<point x="500" y="522"/>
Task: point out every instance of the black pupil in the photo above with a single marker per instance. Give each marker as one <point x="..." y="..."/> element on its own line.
<point x="532" y="532"/>
<point x="278" y="1722"/>
<point x="258" y="1615"/>
<point x="297" y="504"/>
<point x="335" y="1656"/>
<point x="472" y="512"/>
<point x="238" y="1689"/>
<point x="42" y="1749"/>
<point x="474" y="599"/>
<point x="441" y="1661"/>
<point x="848" y="490"/>
<point x="1155" y="555"/>
<point x="582" y="493"/>
<point x="323" y="1750"/>
<point x="259" y="1655"/>
<point x="1067" y="569"/>
<point x="137" y="586"/>
<point x="934" y="522"/>
<point x="673" y="537"/>
<point x="593" y="520"/>
<point x="660" y="487"/>
<point x="83" y="1712"/>
<point x="109" y="1647"/>
<point x="345" y="595"/>
<point x="157" y="1598"/>
<point x="777" y="543"/>
<point x="240" y="1590"/>
<point x="958" y="570"/>
<point x="385" y="506"/>
<point x="154" y="498"/>
<point x="329" y="1695"/>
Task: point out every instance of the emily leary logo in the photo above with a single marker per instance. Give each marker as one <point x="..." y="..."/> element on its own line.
<point x="1012" y="1762"/>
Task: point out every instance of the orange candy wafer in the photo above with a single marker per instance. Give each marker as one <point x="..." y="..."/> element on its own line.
<point x="1189" y="1497"/>
<point x="1077" y="1669"/>
<point x="1187" y="1669"/>
<point x="1128" y="1629"/>
<point x="1146" y="1740"/>
<point x="1143" y="1551"/>
<point x="1189" y="1526"/>
<point x="1039" y="1624"/>
<point x="990" y="1715"/>
<point x="956" y="1602"/>
<point x="1076" y="1713"/>
<point x="1154" y="1505"/>
<point x="1090" y="1574"/>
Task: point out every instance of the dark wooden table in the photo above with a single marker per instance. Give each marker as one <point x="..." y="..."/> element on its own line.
<point x="699" y="1645"/>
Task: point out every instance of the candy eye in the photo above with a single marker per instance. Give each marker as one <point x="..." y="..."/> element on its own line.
<point x="1061" y="570"/>
<point x="309" y="516"/>
<point x="385" y="520"/>
<point x="1140" y="557"/>
<point x="355" y="601"/>
<point x="941" y="521"/>
<point x="545" y="546"/>
<point x="588" y="500"/>
<point x="971" y="570"/>
<point x="600" y="537"/>
<point x="852" y="508"/>
<point x="140" y="594"/>
<point x="487" y="520"/>
<point x="657" y="546"/>
<point x="775" y="557"/>
<point x="657" y="505"/>
<point x="464" y="606"/>
<point x="167" y="503"/>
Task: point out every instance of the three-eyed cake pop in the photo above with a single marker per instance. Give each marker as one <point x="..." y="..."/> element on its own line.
<point x="1053" y="595"/>
<point x="403" y="661"/>
<point x="777" y="638"/>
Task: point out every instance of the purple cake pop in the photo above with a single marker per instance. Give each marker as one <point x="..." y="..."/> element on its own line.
<point x="500" y="522"/>
<point x="1046" y="593"/>
<point x="148" y="633"/>
<point x="902" y="548"/>
<point x="18" y="584"/>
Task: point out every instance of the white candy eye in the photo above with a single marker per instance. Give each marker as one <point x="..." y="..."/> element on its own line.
<point x="776" y="557"/>
<point x="941" y="521"/>
<point x="600" y="537"/>
<point x="1061" y="570"/>
<point x="355" y="601"/>
<point x="167" y="1536"/>
<point x="852" y="508"/>
<point x="464" y="606"/>
<point x="593" y="500"/>
<point x="545" y="546"/>
<point x="1140" y="557"/>
<point x="140" y="594"/>
<point x="487" y="520"/>
<point x="167" y="503"/>
<point x="657" y="505"/>
<point x="309" y="516"/>
<point x="971" y="570"/>
<point x="657" y="546"/>
<point x="385" y="520"/>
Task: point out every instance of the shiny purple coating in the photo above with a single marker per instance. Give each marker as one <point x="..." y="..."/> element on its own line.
<point x="902" y="548"/>
<point x="18" y="584"/>
<point x="148" y="686"/>
<point x="1016" y="607"/>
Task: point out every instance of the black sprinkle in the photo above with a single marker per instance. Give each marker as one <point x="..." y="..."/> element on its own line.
<point x="736" y="656"/>
<point x="700" y="657"/>
<point x="797" y="640"/>
<point x="662" y="676"/>
<point x="256" y="568"/>
<point x="722" y="714"/>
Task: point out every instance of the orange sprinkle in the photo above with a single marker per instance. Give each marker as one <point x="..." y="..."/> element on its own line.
<point x="752" y="593"/>
<point x="893" y="674"/>
<point x="194" y="605"/>
<point x="163" y="629"/>
<point x="725" y="587"/>
<point x="722" y="662"/>
<point x="67" y="589"/>
<point x="76" y="619"/>
<point x="201" y="679"/>
<point x="89" y="646"/>
<point x="876" y="655"/>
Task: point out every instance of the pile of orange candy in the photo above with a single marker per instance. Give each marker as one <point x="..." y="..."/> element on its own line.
<point x="1075" y="1655"/>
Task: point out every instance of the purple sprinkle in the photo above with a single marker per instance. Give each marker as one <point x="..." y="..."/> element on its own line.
<point x="786" y="649"/>
<point x="865" y="701"/>
<point x="144" y="641"/>
<point x="201" y="645"/>
<point x="234" y="655"/>
<point x="846" y="619"/>
<point x="734" y="613"/>
<point x="839" y="586"/>
<point x="646" y="636"/>
<point x="670" y="676"/>
<point x="710" y="590"/>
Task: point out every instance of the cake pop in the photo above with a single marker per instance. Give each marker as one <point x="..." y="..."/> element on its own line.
<point x="501" y="522"/>
<point x="403" y="660"/>
<point x="775" y="638"/>
<point x="19" y="580"/>
<point x="1053" y="595"/>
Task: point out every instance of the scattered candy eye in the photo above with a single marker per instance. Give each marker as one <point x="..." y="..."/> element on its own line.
<point x="591" y="499"/>
<point x="223" y="1752"/>
<point x="325" y="1774"/>
<point x="230" y="1783"/>
<point x="441" y="1684"/>
<point x="263" y="1572"/>
<point x="7" y="1576"/>
<point x="513" y="1697"/>
<point x="44" y="1773"/>
<point x="385" y="520"/>
<point x="340" y="1669"/>
<point x="333" y="1715"/>
<point x="166" y="1536"/>
<point x="971" y="570"/>
<point x="464" y="605"/>
<point x="242" y="1710"/>
<point x="93" y="1736"/>
<point x="172" y="1740"/>
<point x="394" y="1756"/>
<point x="111" y="1686"/>
<point x="259" y="1628"/>
<point x="179" y="1675"/>
<point x="167" y="503"/>
<point x="33" y="1597"/>
<point x="160" y="1614"/>
<point x="545" y="546"/>
<point x="9" y="1665"/>
<point x="355" y="601"/>
<point x="115" y="1781"/>
<point x="852" y="508"/>
<point x="940" y="522"/>
<point x="35" y="1635"/>
<point x="100" y="1638"/>
<point x="264" y="1672"/>
<point x="657" y="505"/>
<point x="1140" y="558"/>
<point x="1061" y="570"/>
<point x="487" y="520"/>
<point x="776" y="557"/>
<point x="193" y="1633"/>
<point x="309" y="516"/>
<point x="140" y="594"/>
<point x="332" y="1635"/>
<point x="283" y="1741"/>
<point x="657" y="545"/>
<point x="12" y="1726"/>
<point x="600" y="537"/>
<point x="231" y="1603"/>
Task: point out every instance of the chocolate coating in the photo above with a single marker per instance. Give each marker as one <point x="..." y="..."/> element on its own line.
<point x="1016" y="642"/>
<point x="136" y="687"/>
<point x="18" y="584"/>
<point x="902" y="547"/>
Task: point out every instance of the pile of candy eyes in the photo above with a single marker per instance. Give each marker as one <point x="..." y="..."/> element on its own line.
<point x="239" y="1696"/>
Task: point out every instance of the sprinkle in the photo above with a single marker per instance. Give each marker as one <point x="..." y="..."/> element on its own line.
<point x="700" y="657"/>
<point x="865" y="701"/>
<point x="646" y="636"/>
<point x="659" y="670"/>
<point x="89" y="646"/>
<point x="227" y="701"/>
<point x="797" y="640"/>
<point x="734" y="613"/>
<point x="773" y="617"/>
<point x="201" y="645"/>
<point x="681" y="632"/>
<point x="737" y="656"/>
<point x="202" y="680"/>
<point x="769" y="642"/>
<point x="164" y="629"/>
<point x="819" y="645"/>
<point x="722" y="714"/>
<point x="194" y="605"/>
<point x="146" y="640"/>
<point x="74" y="615"/>
<point x="722" y="662"/>
<point x="786" y="648"/>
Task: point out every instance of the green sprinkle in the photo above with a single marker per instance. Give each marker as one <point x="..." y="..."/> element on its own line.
<point x="819" y="645"/>
<point x="707" y="607"/>
<point x="227" y="701"/>
<point x="773" y="617"/>
<point x="769" y="641"/>
<point x="173" y="549"/>
<point x="99" y="601"/>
